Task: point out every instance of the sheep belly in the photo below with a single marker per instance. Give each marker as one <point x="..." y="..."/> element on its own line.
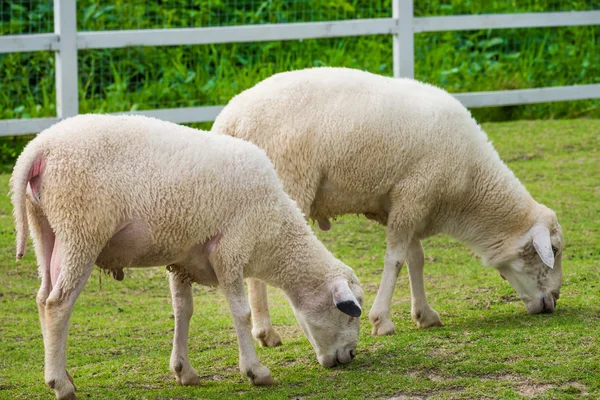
<point x="334" y="199"/>
<point x="132" y="246"/>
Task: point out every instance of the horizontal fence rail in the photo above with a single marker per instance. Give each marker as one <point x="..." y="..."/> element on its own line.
<point x="505" y="21"/>
<point x="12" y="127"/>
<point x="24" y="43"/>
<point x="65" y="41"/>
<point x="295" y="31"/>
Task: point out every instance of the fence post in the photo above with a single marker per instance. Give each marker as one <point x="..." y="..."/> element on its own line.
<point x="404" y="39"/>
<point x="65" y="61"/>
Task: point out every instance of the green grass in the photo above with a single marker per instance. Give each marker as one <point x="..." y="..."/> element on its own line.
<point x="112" y="80"/>
<point x="121" y="332"/>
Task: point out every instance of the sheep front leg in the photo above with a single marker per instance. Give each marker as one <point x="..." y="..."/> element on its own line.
<point x="394" y="259"/>
<point x="262" y="329"/>
<point x="421" y="312"/>
<point x="240" y="311"/>
<point x="183" y="308"/>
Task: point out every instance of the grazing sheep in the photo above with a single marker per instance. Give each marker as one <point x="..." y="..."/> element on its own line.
<point x="125" y="191"/>
<point x="410" y="156"/>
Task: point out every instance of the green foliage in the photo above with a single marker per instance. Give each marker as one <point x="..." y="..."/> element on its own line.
<point x="162" y="77"/>
<point x="10" y="148"/>
<point x="121" y="332"/>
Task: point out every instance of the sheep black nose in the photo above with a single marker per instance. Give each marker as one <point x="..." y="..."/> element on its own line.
<point x="548" y="307"/>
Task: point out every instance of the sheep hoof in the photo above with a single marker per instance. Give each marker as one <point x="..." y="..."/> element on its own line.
<point x="383" y="327"/>
<point x="426" y="318"/>
<point x="267" y="337"/>
<point x="260" y="376"/>
<point x="188" y="378"/>
<point x="63" y="388"/>
<point x="66" y="392"/>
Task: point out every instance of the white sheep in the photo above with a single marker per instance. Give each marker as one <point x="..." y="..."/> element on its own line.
<point x="410" y="156"/>
<point x="124" y="191"/>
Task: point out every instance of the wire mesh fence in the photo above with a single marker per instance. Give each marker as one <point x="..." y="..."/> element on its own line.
<point x="36" y="16"/>
<point x="505" y="59"/>
<point x="144" y="14"/>
<point x="27" y="87"/>
<point x="26" y="16"/>
<point x="183" y="76"/>
<point x="142" y="78"/>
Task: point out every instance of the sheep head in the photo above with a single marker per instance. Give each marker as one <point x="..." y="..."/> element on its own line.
<point x="329" y="316"/>
<point x="534" y="269"/>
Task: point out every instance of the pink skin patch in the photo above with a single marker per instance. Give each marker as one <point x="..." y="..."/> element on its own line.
<point x="56" y="261"/>
<point x="35" y="179"/>
<point x="211" y="244"/>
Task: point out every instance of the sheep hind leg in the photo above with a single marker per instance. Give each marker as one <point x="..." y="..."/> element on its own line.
<point x="262" y="330"/>
<point x="421" y="312"/>
<point x="44" y="243"/>
<point x="394" y="259"/>
<point x="183" y="308"/>
<point x="57" y="313"/>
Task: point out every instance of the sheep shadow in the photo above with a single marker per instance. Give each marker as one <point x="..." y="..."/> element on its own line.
<point x="563" y="316"/>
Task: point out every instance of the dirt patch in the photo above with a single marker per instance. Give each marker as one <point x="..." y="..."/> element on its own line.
<point x="432" y="376"/>
<point x="529" y="389"/>
<point x="510" y="298"/>
<point x="445" y="351"/>
<point x="481" y="290"/>
<point x="291" y="363"/>
<point x="400" y="396"/>
<point x="532" y="389"/>
<point x="524" y="157"/>
<point x="575" y="388"/>
<point x="436" y="378"/>
<point x="170" y="398"/>
<point x="506" y="377"/>
<point x="415" y="374"/>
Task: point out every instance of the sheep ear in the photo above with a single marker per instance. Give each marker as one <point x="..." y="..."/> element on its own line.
<point x="543" y="245"/>
<point x="344" y="299"/>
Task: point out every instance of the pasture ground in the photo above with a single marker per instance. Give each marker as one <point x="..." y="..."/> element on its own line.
<point x="121" y="332"/>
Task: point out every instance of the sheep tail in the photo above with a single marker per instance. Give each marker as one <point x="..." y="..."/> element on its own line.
<point x="29" y="165"/>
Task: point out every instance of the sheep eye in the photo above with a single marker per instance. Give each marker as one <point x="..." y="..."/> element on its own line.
<point x="554" y="250"/>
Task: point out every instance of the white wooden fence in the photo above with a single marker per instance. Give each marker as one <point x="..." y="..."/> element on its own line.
<point x="65" y="41"/>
